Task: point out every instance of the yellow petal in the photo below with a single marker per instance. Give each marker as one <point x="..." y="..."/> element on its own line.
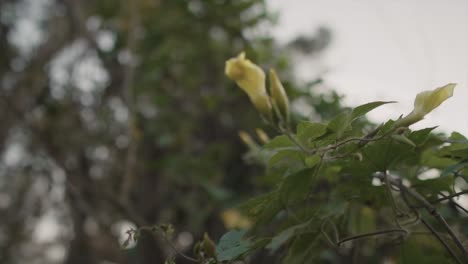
<point x="247" y="139"/>
<point x="232" y="218"/>
<point x="251" y="79"/>
<point x="425" y="102"/>
<point x="262" y="135"/>
<point x="279" y="96"/>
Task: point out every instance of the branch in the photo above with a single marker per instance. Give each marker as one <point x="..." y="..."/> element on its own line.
<point x="437" y="235"/>
<point x="429" y="208"/>
<point x="447" y="197"/>
<point x="169" y="242"/>
<point x="397" y="213"/>
<point x="381" y="232"/>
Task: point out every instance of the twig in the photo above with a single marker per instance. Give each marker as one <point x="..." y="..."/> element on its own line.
<point x="437" y="235"/>
<point x="335" y="232"/>
<point x="381" y="232"/>
<point x="447" y="197"/>
<point x="455" y="203"/>
<point x="291" y="137"/>
<point x="349" y="140"/>
<point x="177" y="251"/>
<point x="395" y="209"/>
<point x="431" y="229"/>
<point x="431" y="210"/>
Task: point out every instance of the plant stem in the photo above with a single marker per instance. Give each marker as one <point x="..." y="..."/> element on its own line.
<point x="437" y="235"/>
<point x="291" y="137"/>
<point x="455" y="203"/>
<point x="395" y="209"/>
<point x="431" y="229"/>
<point x="381" y="232"/>
<point x="447" y="197"/>
<point x="431" y="210"/>
<point x="150" y="229"/>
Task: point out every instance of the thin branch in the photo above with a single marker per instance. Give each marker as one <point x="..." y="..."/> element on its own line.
<point x="169" y="242"/>
<point x="430" y="209"/>
<point x="362" y="140"/>
<point x="335" y="232"/>
<point x="349" y="140"/>
<point x="431" y="229"/>
<point x="454" y="203"/>
<point x="377" y="233"/>
<point x="437" y="235"/>
<point x="297" y="143"/>
<point x="395" y="209"/>
<point x="448" y="197"/>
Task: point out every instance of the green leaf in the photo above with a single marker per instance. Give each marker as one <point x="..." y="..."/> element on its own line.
<point x="365" y="108"/>
<point x="262" y="209"/>
<point x="419" y="137"/>
<point x="286" y="161"/>
<point x="308" y="131"/>
<point x="333" y="208"/>
<point x="279" y="142"/>
<point x="376" y="154"/>
<point x="430" y="187"/>
<point x="287" y="154"/>
<point x="431" y="159"/>
<point x="311" y="161"/>
<point x="456" y="150"/>
<point x="232" y="245"/>
<point x="403" y="139"/>
<point x="455" y="136"/>
<point x="453" y="168"/>
<point x="340" y="123"/>
<point x="296" y="186"/>
<point x="284" y="236"/>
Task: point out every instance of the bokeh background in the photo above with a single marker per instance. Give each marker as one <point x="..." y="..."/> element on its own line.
<point x="117" y="114"/>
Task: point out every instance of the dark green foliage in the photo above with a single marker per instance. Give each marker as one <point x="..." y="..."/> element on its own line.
<point x="345" y="196"/>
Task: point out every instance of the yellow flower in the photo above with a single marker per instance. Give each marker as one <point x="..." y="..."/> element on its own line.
<point x="247" y="139"/>
<point x="232" y="218"/>
<point x="262" y="135"/>
<point x="425" y="102"/>
<point x="250" y="78"/>
<point x="279" y="96"/>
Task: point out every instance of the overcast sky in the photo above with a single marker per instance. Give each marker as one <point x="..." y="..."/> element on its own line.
<point x="389" y="50"/>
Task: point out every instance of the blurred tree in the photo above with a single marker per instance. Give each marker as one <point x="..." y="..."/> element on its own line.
<point x="117" y="113"/>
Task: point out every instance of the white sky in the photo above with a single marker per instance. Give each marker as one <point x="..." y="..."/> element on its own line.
<point x="389" y="50"/>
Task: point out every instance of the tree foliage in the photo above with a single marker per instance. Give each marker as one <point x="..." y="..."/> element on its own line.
<point x="342" y="191"/>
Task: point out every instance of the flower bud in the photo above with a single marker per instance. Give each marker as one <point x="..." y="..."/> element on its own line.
<point x="247" y="139"/>
<point x="264" y="138"/>
<point x="425" y="102"/>
<point x="251" y="79"/>
<point x="279" y="96"/>
<point x="232" y="219"/>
